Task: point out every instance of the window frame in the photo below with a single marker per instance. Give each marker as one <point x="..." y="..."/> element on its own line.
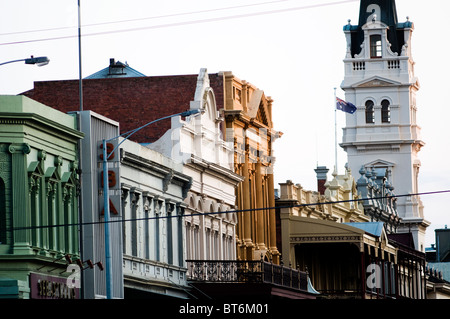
<point x="385" y="111"/>
<point x="376" y="51"/>
<point x="370" y="112"/>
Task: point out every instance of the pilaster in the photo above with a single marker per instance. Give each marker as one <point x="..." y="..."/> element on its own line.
<point x="20" y="203"/>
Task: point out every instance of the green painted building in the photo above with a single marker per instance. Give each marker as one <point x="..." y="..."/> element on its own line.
<point x="39" y="189"/>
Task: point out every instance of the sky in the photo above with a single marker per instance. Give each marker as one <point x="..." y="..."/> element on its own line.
<point x="291" y="49"/>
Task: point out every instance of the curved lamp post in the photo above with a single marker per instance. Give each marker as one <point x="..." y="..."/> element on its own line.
<point x="39" y="61"/>
<point x="126" y="135"/>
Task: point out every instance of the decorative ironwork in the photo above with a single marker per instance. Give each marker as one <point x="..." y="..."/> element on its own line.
<point x="237" y="271"/>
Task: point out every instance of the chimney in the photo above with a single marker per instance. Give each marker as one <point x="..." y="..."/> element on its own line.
<point x="321" y="172"/>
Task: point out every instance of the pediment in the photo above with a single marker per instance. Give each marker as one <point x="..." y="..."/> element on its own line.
<point x="35" y="168"/>
<point x="376" y="82"/>
<point x="52" y="173"/>
<point x="258" y="108"/>
<point x="262" y="115"/>
<point x="379" y="163"/>
<point x="374" y="25"/>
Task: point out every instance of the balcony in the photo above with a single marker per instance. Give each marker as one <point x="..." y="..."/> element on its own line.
<point x="251" y="272"/>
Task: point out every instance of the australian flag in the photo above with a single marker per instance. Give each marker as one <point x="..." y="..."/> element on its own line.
<point x="345" y="106"/>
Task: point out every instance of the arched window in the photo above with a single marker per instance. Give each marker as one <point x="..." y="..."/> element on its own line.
<point x="375" y="46"/>
<point x="385" y="111"/>
<point x="370" y="116"/>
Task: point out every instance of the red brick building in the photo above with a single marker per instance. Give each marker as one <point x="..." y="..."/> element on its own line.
<point x="132" y="102"/>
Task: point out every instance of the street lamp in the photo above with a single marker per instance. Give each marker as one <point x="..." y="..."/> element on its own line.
<point x="126" y="135"/>
<point x="39" y="61"/>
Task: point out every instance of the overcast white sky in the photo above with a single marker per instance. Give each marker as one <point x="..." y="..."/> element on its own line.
<point x="291" y="49"/>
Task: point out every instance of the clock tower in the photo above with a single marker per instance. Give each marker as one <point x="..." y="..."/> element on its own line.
<point x="383" y="134"/>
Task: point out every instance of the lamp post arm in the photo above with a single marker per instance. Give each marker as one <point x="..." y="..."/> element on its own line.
<point x="40" y="61"/>
<point x="12" y="61"/>
<point x="186" y="113"/>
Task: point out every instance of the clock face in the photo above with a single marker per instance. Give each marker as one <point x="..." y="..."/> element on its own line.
<point x="375" y="12"/>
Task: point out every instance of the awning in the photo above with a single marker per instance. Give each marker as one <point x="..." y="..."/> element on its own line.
<point x="301" y="230"/>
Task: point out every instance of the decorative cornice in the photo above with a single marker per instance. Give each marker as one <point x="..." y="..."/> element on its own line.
<point x="325" y="238"/>
<point x="41" y="123"/>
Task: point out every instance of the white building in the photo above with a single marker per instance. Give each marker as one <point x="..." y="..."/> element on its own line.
<point x="380" y="82"/>
<point x="153" y="192"/>
<point x="197" y="143"/>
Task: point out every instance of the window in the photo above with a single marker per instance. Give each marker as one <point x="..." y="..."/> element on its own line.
<point x="169" y="214"/>
<point x="370" y="116"/>
<point x="385" y="111"/>
<point x="157" y="231"/>
<point x="375" y="46"/>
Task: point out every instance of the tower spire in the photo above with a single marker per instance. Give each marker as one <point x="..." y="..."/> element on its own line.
<point x="384" y="11"/>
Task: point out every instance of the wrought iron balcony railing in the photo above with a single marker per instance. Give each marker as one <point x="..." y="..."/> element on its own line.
<point x="236" y="271"/>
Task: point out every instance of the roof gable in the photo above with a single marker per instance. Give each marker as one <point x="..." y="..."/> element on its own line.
<point x="258" y="108"/>
<point x="116" y="70"/>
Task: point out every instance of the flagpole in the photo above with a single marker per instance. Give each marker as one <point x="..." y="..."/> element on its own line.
<point x="335" y="133"/>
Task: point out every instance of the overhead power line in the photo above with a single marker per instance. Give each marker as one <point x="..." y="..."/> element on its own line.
<point x="146" y="18"/>
<point x="233" y="211"/>
<point x="184" y="23"/>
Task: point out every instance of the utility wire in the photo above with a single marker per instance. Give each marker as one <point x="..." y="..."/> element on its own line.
<point x="234" y="211"/>
<point x="146" y="18"/>
<point x="183" y="23"/>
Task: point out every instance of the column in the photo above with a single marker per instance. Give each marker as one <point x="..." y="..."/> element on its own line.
<point x="272" y="220"/>
<point x="248" y="245"/>
<point x="59" y="207"/>
<point x="20" y="199"/>
<point x="34" y="210"/>
<point x="134" y="223"/>
<point x="259" y="204"/>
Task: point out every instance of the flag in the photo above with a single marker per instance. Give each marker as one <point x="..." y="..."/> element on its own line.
<point x="345" y="106"/>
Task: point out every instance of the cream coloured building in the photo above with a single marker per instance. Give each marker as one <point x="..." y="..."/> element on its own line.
<point x="249" y="127"/>
<point x="346" y="254"/>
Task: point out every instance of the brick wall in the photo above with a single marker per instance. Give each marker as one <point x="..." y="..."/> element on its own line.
<point x="132" y="102"/>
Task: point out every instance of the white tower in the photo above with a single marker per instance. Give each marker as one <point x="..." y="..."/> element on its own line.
<point x="380" y="82"/>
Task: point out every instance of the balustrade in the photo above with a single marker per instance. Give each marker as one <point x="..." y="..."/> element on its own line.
<point x="236" y="271"/>
<point x="361" y="65"/>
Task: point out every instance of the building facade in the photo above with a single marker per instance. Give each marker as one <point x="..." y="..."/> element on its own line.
<point x="438" y="265"/>
<point x="39" y="192"/>
<point x="384" y="133"/>
<point x="92" y="233"/>
<point x="248" y="125"/>
<point x="197" y="142"/>
<point x="348" y="255"/>
<point x="153" y="193"/>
